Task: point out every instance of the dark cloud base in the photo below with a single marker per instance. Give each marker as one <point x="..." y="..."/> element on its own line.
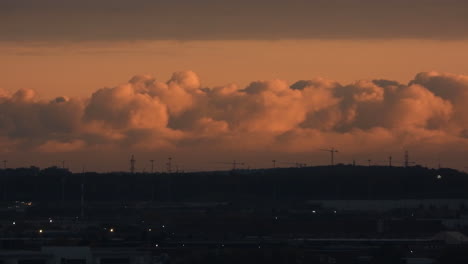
<point x="58" y="20"/>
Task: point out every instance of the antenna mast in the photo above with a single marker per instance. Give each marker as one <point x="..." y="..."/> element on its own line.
<point x="132" y="164"/>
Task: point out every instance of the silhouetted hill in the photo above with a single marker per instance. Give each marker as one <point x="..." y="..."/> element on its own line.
<point x="322" y="182"/>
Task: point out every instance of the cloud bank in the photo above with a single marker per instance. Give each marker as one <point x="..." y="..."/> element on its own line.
<point x="53" y="20"/>
<point x="145" y="114"/>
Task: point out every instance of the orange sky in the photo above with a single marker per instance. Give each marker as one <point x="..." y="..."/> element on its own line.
<point x="77" y="69"/>
<point x="93" y="82"/>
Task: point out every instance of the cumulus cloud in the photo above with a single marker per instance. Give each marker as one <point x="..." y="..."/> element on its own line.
<point x="183" y="115"/>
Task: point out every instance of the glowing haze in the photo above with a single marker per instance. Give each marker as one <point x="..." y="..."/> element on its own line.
<point x="266" y="80"/>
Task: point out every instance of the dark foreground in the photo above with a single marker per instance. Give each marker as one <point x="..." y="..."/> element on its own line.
<point x="339" y="214"/>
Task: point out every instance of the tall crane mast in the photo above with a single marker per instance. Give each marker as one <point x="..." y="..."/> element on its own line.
<point x="332" y="154"/>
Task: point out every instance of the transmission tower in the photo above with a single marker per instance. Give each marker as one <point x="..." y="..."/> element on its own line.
<point x="132" y="164"/>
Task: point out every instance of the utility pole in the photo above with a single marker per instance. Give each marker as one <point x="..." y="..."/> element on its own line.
<point x="369" y="161"/>
<point x="274" y="164"/>
<point x="332" y="153"/>
<point x="389" y="161"/>
<point x="5" y="164"/>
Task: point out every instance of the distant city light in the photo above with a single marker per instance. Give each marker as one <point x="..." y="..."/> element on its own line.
<point x="51" y="221"/>
<point x="163" y="226"/>
<point x="40" y="231"/>
<point x="149" y="229"/>
<point x="439" y="177"/>
<point x="157" y="245"/>
<point x="111" y="230"/>
<point x="14" y="223"/>
<point x="313" y="211"/>
<point x="334" y="212"/>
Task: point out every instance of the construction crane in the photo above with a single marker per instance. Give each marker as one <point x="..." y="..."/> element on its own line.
<point x="332" y="154"/>
<point x="234" y="164"/>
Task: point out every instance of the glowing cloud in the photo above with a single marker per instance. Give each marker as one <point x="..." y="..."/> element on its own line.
<point x="181" y="114"/>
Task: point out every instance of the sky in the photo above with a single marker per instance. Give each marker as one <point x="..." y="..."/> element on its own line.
<point x="208" y="82"/>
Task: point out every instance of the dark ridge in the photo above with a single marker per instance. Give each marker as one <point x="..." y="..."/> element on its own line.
<point x="265" y="185"/>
